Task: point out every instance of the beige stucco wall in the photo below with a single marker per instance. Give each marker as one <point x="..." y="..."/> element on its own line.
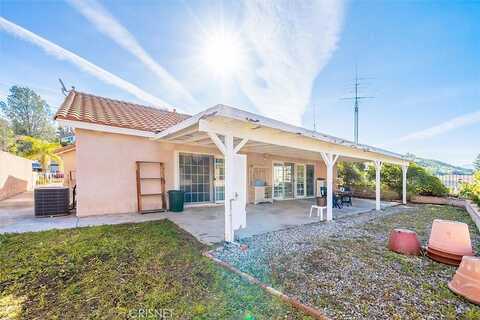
<point x="104" y="165"/>
<point x="15" y="175"/>
<point x="105" y="169"/>
<point x="69" y="165"/>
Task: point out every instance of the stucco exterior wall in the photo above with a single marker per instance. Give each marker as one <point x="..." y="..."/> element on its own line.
<point x="104" y="166"/>
<point x="69" y="167"/>
<point x="15" y="175"/>
<point x="105" y="169"/>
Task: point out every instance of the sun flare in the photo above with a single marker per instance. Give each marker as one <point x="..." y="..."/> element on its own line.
<point x="223" y="53"/>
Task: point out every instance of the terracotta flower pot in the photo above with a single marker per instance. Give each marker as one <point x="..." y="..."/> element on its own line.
<point x="447" y="258"/>
<point x="451" y="237"/>
<point x="404" y="241"/>
<point x="466" y="281"/>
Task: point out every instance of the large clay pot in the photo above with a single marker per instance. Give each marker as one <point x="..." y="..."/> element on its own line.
<point x="443" y="257"/>
<point x="404" y="241"/>
<point x="466" y="281"/>
<point x="451" y="237"/>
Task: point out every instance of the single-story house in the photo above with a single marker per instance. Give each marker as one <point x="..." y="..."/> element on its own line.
<point x="222" y="155"/>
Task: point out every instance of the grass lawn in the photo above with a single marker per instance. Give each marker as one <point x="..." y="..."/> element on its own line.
<point x="113" y="272"/>
<point x="353" y="275"/>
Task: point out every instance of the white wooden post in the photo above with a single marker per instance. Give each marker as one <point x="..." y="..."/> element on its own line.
<point x="404" y="171"/>
<point x="329" y="160"/>
<point x="229" y="150"/>
<point x="378" y="168"/>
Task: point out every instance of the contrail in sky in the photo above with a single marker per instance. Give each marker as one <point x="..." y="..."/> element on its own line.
<point x="103" y="21"/>
<point x="455" y="123"/>
<point x="292" y="41"/>
<point x="85" y="65"/>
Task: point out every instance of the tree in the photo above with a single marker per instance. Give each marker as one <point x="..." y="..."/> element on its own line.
<point x="7" y="137"/>
<point x="351" y="174"/>
<point x="420" y="181"/>
<point x="28" y="113"/>
<point x="391" y="176"/>
<point x="476" y="163"/>
<point x="36" y="149"/>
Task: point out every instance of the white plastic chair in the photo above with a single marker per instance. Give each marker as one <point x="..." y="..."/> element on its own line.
<point x="319" y="211"/>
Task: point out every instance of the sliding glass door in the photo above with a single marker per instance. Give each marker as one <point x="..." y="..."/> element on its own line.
<point x="292" y="180"/>
<point x="195" y="177"/>
<point x="310" y="180"/>
<point x="278" y="180"/>
<point x="201" y="177"/>
<point x="300" y="190"/>
<point x="283" y="180"/>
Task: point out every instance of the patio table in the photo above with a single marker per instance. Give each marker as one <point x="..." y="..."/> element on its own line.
<point x="345" y="196"/>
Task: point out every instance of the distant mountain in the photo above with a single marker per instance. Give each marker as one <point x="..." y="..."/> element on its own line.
<point x="440" y="168"/>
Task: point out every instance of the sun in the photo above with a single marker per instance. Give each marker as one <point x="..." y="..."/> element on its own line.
<point x="223" y="53"/>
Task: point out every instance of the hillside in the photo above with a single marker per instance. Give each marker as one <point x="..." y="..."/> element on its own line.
<point x="439" y="167"/>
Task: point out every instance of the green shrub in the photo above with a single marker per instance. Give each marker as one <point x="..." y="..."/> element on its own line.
<point x="472" y="190"/>
<point x="419" y="180"/>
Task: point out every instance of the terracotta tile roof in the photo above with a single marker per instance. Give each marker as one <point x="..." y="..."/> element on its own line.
<point x="79" y="106"/>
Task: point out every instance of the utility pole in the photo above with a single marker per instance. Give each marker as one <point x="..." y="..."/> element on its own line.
<point x="356" y="100"/>
<point x="355" y="117"/>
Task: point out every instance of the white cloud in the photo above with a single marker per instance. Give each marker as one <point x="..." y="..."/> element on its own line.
<point x="108" y="25"/>
<point x="85" y="65"/>
<point x="455" y="123"/>
<point x="292" y="41"/>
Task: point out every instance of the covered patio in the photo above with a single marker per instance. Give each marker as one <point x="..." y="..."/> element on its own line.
<point x="238" y="136"/>
<point x="207" y="223"/>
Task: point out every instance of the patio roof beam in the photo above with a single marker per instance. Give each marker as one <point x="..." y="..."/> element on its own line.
<point x="220" y="145"/>
<point x="273" y="136"/>
<point x="240" y="145"/>
<point x="182" y="134"/>
<point x="197" y="138"/>
<point x="255" y="144"/>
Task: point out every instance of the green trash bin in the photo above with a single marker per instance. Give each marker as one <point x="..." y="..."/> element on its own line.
<point x="176" y="200"/>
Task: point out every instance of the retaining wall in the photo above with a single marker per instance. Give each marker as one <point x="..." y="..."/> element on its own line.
<point x="468" y="205"/>
<point x="15" y="175"/>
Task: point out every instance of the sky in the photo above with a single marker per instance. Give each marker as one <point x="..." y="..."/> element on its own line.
<point x="294" y="61"/>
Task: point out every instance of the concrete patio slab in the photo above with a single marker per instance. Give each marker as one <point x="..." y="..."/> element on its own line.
<point x="205" y="223"/>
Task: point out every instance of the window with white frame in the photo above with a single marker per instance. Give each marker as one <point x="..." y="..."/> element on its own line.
<point x="195" y="177"/>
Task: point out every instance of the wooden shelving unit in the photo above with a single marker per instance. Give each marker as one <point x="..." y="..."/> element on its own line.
<point x="161" y="180"/>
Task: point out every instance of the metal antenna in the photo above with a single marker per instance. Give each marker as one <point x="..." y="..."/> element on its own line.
<point x="314" y="118"/>
<point x="356" y="99"/>
<point x="64" y="90"/>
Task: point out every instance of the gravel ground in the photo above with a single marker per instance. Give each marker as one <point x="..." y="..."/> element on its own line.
<point x="345" y="269"/>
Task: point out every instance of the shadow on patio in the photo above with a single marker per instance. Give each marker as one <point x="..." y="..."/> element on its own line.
<point x="207" y="224"/>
